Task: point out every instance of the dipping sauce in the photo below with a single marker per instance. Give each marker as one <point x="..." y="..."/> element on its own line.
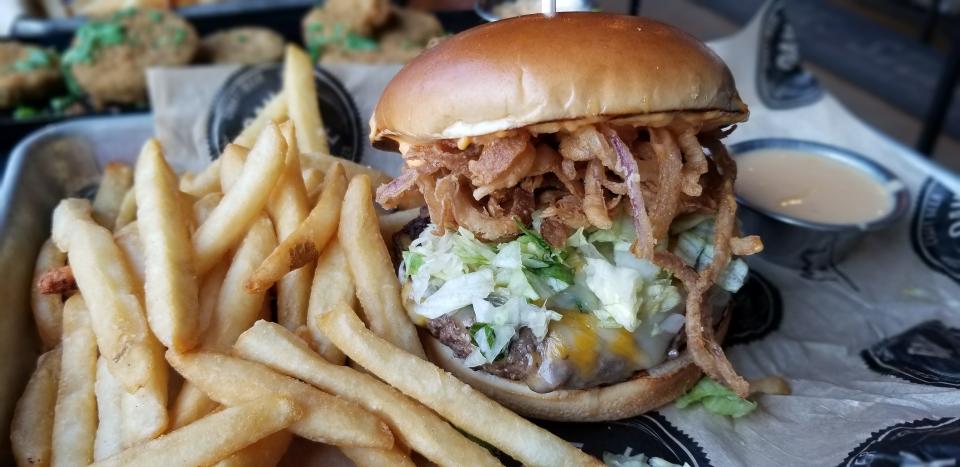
<point x="811" y="187"/>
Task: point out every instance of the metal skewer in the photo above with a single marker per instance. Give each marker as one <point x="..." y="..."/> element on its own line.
<point x="548" y="7"/>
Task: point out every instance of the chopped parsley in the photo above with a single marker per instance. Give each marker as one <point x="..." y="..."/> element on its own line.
<point x="542" y="259"/>
<point x="36" y="59"/>
<point x="487" y="334"/>
<point x="91" y="37"/>
<point x="24" y="112"/>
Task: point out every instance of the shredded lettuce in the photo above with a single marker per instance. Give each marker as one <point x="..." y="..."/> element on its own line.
<point x="628" y="459"/>
<point x="471" y="251"/>
<point x="412" y="262"/>
<point x="457" y="293"/>
<point x="617" y="290"/>
<point x="625" y="297"/>
<point x="496" y="325"/>
<point x="695" y="247"/>
<point x="517" y="284"/>
<point x="717" y="399"/>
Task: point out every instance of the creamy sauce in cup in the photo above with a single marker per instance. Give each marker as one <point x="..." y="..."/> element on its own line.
<point x="811" y="187"/>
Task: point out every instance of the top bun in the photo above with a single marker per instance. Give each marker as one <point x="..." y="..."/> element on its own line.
<point x="533" y="69"/>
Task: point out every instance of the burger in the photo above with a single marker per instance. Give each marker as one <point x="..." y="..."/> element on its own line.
<point x="579" y="244"/>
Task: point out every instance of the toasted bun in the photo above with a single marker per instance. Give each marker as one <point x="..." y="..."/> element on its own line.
<point x="644" y="392"/>
<point x="532" y="69"/>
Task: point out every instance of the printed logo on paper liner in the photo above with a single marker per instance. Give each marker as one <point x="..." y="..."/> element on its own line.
<point x="925" y="442"/>
<point x="928" y="353"/>
<point x="649" y="434"/>
<point x="757" y="311"/>
<point x="248" y="90"/>
<point x="935" y="231"/>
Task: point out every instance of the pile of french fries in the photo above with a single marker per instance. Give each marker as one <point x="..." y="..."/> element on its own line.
<point x="165" y="347"/>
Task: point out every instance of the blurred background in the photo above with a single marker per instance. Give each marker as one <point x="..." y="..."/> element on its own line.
<point x="892" y="62"/>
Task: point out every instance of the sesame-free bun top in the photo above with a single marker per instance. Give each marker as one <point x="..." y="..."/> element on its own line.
<point x="571" y="67"/>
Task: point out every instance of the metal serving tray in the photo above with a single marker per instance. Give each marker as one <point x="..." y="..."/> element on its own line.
<point x="50" y="164"/>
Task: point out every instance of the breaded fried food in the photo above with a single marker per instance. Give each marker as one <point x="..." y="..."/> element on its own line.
<point x="247" y="45"/>
<point x="333" y="39"/>
<point x="27" y="73"/>
<point x="360" y="16"/>
<point x="109" y="56"/>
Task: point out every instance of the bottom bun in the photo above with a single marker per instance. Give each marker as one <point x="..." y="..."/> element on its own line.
<point x="645" y="391"/>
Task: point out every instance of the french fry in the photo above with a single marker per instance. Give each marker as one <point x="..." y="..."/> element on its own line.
<point x="241" y="205"/>
<point x="210" y="293"/>
<point x="234" y="311"/>
<point x="451" y="398"/>
<point x="214" y="437"/>
<point x="187" y="201"/>
<point x="288" y="208"/>
<point x="327" y="419"/>
<point x="307" y="453"/>
<point x="128" y="240"/>
<point x="323" y="162"/>
<point x="109" y="438"/>
<point x="170" y="286"/>
<point x="774" y="385"/>
<point x="112" y="293"/>
<point x="128" y="210"/>
<point x="413" y="424"/>
<point x="31" y="429"/>
<point x="395" y="221"/>
<point x="332" y="284"/>
<point x="204" y="206"/>
<point x="47" y="308"/>
<point x="378" y="457"/>
<point x="203" y="183"/>
<point x="377" y="285"/>
<point x="117" y="180"/>
<point x="301" y="90"/>
<point x="313" y="182"/>
<point x="264" y="453"/>
<point x="75" y="415"/>
<point x="308" y="240"/>
<point x="144" y="413"/>
<point x="231" y="165"/>
<point x="191" y="405"/>
<point x="276" y="110"/>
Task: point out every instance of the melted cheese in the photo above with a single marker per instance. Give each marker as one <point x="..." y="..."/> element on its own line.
<point x="583" y="341"/>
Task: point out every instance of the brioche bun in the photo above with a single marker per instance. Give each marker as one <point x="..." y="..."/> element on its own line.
<point x="533" y="69"/>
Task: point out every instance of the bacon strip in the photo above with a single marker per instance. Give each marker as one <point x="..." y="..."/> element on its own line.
<point x="390" y="194"/>
<point x="497" y="158"/>
<point x="519" y="167"/>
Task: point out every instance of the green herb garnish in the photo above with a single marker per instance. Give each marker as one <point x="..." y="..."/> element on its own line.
<point x="92" y="37"/>
<point x="489" y="335"/>
<point x="36" y="59"/>
<point x="24" y="112"/>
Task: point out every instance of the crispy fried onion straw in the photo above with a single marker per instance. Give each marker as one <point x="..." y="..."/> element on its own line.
<point x="701" y="340"/>
<point x="643" y="245"/>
